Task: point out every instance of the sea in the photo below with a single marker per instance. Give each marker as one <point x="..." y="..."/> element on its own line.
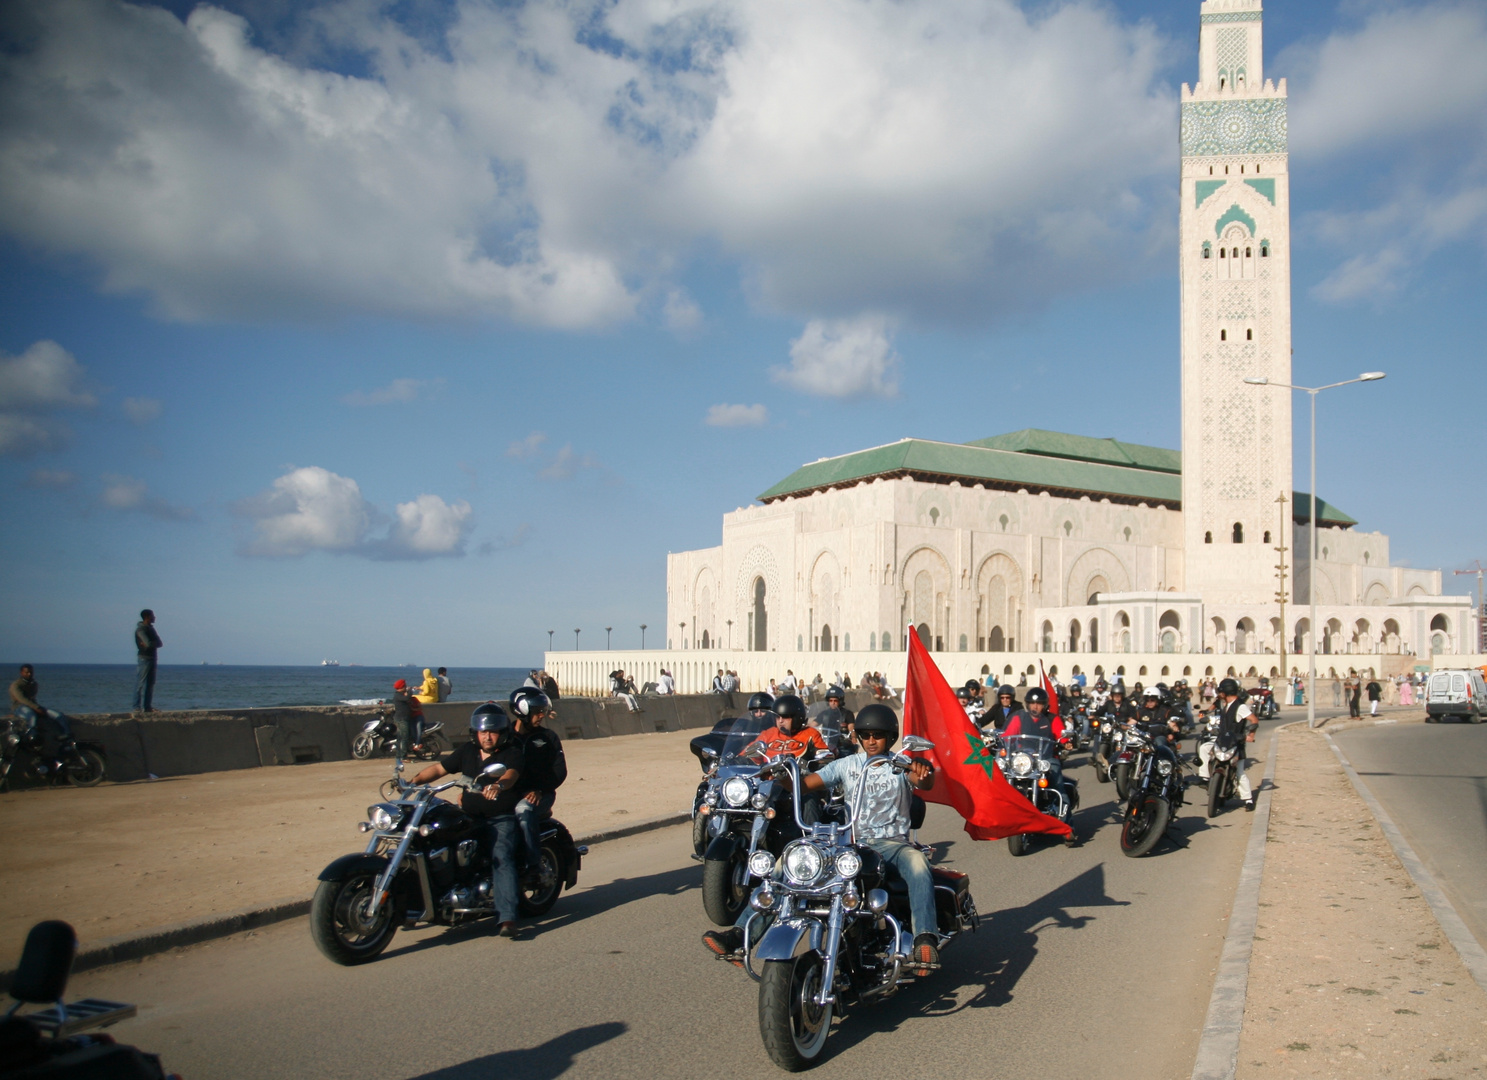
<point x="103" y="688"/>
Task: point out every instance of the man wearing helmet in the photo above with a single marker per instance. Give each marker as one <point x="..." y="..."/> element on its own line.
<point x="836" y="716"/>
<point x="868" y="780"/>
<point x="1154" y="717"/>
<point x="1034" y="719"/>
<point x="1005" y="706"/>
<point x="491" y="740"/>
<point x="1237" y="726"/>
<point x="546" y="767"/>
<point x="790" y="733"/>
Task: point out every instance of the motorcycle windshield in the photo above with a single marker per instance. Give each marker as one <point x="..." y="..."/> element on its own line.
<point x="1034" y="745"/>
<point x="742" y="749"/>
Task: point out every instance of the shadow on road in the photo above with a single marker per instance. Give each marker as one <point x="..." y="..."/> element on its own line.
<point x="991" y="961"/>
<point x="552" y="1059"/>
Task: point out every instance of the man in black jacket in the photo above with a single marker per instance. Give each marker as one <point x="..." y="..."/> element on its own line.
<point x="146" y="642"/>
<point x="996" y="717"/>
<point x="1237" y="726"/>
<point x="546" y="767"/>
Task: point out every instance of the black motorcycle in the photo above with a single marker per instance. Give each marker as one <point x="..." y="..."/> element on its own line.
<point x="50" y="1042"/>
<point x="740" y="808"/>
<point x="380" y="734"/>
<point x="835" y="935"/>
<point x="427" y="862"/>
<point x="75" y="763"/>
<point x="1102" y="745"/>
<point x="1025" y="760"/>
<point x="1156" y="792"/>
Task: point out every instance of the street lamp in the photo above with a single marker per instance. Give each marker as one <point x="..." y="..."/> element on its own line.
<point x="683" y="625"/>
<point x="642" y="637"/>
<point x="730" y="627"/>
<point x="607" y="629"/>
<point x="1311" y="562"/>
<point x="575" y="640"/>
<point x="549" y="640"/>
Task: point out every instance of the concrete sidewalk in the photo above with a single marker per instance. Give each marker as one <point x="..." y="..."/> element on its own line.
<point x="125" y="860"/>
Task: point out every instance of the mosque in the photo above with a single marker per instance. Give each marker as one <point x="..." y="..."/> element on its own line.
<point x="1022" y="546"/>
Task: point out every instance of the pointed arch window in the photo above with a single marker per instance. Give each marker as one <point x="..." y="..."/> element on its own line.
<point x="1239" y="532"/>
<point x="1207" y="250"/>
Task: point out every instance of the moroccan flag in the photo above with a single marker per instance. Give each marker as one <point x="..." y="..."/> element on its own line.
<point x="1049" y="689"/>
<point x="966" y="776"/>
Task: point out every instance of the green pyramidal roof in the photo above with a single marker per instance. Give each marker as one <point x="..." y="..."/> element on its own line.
<point x="1061" y="464"/>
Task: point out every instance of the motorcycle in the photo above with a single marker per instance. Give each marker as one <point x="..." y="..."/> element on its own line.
<point x="1156" y="793"/>
<point x="1103" y="731"/>
<point x="381" y="734"/>
<point x="1025" y="760"/>
<point x="741" y="808"/>
<point x="1123" y="753"/>
<point x="426" y="862"/>
<point x="79" y="764"/>
<point x="1223" y="767"/>
<point x="50" y="1042"/>
<point x="836" y="935"/>
<point x="1262" y="703"/>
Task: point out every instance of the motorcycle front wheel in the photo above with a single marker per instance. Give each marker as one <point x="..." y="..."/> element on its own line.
<point x="1122" y="775"/>
<point x="87" y="769"/>
<point x="538" y="891"/>
<point x="725" y="888"/>
<point x="341" y="925"/>
<point x="1145" y="822"/>
<point x="793" y="1026"/>
<point x="1018" y="843"/>
<point x="1217" y="783"/>
<point x="363" y="746"/>
<point x="699" y="835"/>
<point x="1102" y="770"/>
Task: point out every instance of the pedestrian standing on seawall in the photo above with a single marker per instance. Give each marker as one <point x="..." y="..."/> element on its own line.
<point x="146" y="644"/>
<point x="445" y="686"/>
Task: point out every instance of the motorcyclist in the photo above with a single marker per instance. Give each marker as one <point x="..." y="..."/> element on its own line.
<point x="1182" y="700"/>
<point x="836" y="717"/>
<point x="1034" y="719"/>
<point x="492" y="739"/>
<point x="996" y="717"/>
<point x="790" y="733"/>
<point x="1237" y="726"/>
<point x="546" y="767"/>
<point x="1155" y="718"/>
<point x="883" y="826"/>
<point x="975" y="691"/>
<point x="23" y="694"/>
<point x="1116" y="712"/>
<point x="1071" y="709"/>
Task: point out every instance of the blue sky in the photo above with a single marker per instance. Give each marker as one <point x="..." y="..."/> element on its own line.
<point x="407" y="332"/>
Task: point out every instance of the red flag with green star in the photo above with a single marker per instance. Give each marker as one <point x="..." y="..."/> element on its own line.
<point x="966" y="776"/>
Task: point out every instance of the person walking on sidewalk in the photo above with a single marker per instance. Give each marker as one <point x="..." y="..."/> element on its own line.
<point x="1354" y="688"/>
<point x="1375" y="691"/>
<point x="146" y="644"/>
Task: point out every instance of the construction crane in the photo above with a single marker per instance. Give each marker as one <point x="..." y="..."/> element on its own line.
<point x="1481" y="609"/>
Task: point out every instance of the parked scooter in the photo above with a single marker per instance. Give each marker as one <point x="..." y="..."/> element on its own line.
<point x="380" y="735"/>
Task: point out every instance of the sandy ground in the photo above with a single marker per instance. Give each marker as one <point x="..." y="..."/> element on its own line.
<point x="121" y="858"/>
<point x="1351" y="975"/>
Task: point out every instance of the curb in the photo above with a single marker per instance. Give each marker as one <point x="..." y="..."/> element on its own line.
<point x="1218" y="1046"/>
<point x="177" y="935"/>
<point x="1467" y="947"/>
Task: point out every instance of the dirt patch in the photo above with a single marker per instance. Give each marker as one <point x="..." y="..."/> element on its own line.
<point x="122" y="858"/>
<point x="1351" y="975"/>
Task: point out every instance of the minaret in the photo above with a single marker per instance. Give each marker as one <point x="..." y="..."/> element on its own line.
<point x="1235" y="273"/>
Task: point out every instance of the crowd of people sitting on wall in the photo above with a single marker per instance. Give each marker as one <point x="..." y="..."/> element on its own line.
<point x="727" y="682"/>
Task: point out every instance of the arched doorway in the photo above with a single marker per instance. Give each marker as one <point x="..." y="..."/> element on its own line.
<point x="706" y="640"/>
<point x="825" y="638"/>
<point x="996" y="643"/>
<point x="759" y="620"/>
<point x="924" y="639"/>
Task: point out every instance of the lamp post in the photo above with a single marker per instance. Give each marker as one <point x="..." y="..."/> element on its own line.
<point x="1311" y="562"/>
<point x="1280" y="594"/>
<point x="683" y="625"/>
<point x="730" y="629"/>
<point x="642" y="637"/>
<point x="575" y="639"/>
<point x="549" y="640"/>
<point x="607" y="629"/>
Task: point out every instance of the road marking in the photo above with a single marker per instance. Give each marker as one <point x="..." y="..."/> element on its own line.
<point x="1218" y="1046"/>
<point x="1466" y="945"/>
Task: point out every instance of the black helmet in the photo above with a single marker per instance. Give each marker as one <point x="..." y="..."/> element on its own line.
<point x="529" y="702"/>
<point x="1163" y="693"/>
<point x="972" y="686"/>
<point x="878" y="718"/>
<point x="1102" y="685"/>
<point x="1035" y="695"/>
<point x="790" y="707"/>
<point x="1118" y="688"/>
<point x="491" y="717"/>
<point x="1006" y="691"/>
<point x="963" y="694"/>
<point x="1229" y="688"/>
<point x="836" y="693"/>
<point x="761" y="700"/>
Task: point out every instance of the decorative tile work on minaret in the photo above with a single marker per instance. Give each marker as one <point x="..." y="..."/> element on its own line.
<point x="1236" y="309"/>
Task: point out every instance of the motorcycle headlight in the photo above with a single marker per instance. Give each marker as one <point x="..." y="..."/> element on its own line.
<point x="736" y="791"/>
<point x="384" y="816"/>
<point x="372" y="725"/>
<point x="803" y="862"/>
<point x="711" y="798"/>
<point x="1164" y="767"/>
<point x="759" y="800"/>
<point x="761" y="864"/>
<point x="1043" y="766"/>
<point x="1022" y="764"/>
<point x="849" y="864"/>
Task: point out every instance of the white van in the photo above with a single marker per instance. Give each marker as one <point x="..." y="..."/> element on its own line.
<point x="1460" y="692"/>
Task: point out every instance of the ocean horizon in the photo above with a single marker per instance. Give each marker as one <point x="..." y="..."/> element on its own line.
<point x="77" y="689"/>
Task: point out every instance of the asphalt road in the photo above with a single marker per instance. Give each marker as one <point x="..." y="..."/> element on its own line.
<point x="1432" y="780"/>
<point x="1087" y="964"/>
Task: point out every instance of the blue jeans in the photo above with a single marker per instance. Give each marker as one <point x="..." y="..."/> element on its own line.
<point x="144" y="684"/>
<point x="500" y="832"/>
<point x="58" y="721"/>
<point x="529" y="816"/>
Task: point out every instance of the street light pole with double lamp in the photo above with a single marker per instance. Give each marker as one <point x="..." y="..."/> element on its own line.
<point x="1311" y="562"/>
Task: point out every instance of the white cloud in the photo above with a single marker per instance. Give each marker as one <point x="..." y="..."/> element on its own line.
<point x="395" y="392"/>
<point x="842" y="358"/>
<point x="51" y="478"/>
<point x="42" y="380"/>
<point x="737" y="416"/>
<point x="142" y="410"/>
<point x="1422" y="136"/>
<point x="528" y="447"/>
<point x="566" y="462"/>
<point x="552" y="163"/>
<point x="128" y="495"/>
<point x="681" y="314"/>
<point x="313" y="509"/>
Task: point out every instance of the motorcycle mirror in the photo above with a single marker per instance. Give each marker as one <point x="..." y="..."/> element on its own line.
<point x="709" y="752"/>
<point x="823" y="755"/>
<point x="916" y="744"/>
<point x="493" y="770"/>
